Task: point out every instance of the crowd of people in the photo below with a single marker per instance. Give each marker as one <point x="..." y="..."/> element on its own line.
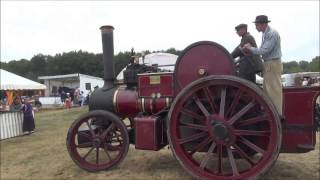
<point x="75" y="98"/>
<point x="311" y="81"/>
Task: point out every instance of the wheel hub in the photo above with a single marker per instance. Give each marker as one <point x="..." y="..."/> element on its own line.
<point x="220" y="131"/>
<point x="96" y="142"/>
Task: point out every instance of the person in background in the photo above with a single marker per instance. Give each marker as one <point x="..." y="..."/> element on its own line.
<point x="88" y="96"/>
<point x="76" y="96"/>
<point x="68" y="102"/>
<point x="81" y="98"/>
<point x="2" y="105"/>
<point x="16" y="104"/>
<point x="249" y="64"/>
<point x="37" y="102"/>
<point x="305" y="82"/>
<point x="63" y="96"/>
<point x="270" y="50"/>
<point x="28" y="119"/>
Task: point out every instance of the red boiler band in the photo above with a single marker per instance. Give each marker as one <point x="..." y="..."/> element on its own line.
<point x="127" y="103"/>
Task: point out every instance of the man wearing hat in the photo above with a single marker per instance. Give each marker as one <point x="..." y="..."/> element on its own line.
<point x="249" y="64"/>
<point x="270" y="50"/>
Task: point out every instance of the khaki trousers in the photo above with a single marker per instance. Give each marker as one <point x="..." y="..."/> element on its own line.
<point x="272" y="85"/>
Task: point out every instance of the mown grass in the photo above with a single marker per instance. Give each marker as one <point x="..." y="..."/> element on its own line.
<point x="43" y="155"/>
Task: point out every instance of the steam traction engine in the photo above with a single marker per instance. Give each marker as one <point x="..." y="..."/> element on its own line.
<point x="217" y="125"/>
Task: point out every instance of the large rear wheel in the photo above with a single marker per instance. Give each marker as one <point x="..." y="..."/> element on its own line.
<point x="224" y="127"/>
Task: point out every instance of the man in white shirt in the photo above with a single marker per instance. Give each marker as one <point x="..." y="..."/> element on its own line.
<point x="270" y="50"/>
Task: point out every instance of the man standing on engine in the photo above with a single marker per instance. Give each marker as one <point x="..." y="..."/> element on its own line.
<point x="249" y="64"/>
<point x="270" y="50"/>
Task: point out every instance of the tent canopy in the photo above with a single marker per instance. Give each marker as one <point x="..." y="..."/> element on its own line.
<point x="10" y="81"/>
<point x="159" y="58"/>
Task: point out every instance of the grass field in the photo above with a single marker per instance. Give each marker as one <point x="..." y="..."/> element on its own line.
<point x="43" y="155"/>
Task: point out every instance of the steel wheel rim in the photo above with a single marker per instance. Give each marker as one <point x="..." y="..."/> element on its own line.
<point x="104" y="150"/>
<point x="207" y="134"/>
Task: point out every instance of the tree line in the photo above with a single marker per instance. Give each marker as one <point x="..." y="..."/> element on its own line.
<point x="302" y="66"/>
<point x="92" y="64"/>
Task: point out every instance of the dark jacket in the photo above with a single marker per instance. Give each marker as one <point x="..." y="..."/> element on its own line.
<point x="248" y="63"/>
<point x="27" y="109"/>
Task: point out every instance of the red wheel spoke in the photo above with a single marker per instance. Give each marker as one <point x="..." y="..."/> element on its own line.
<point x="251" y="145"/>
<point x="204" y="162"/>
<point x="241" y="112"/>
<point x="243" y="154"/>
<point x="97" y="155"/>
<point x="201" y="106"/>
<point x="253" y="120"/>
<point x="222" y="101"/>
<point x="193" y="137"/>
<point x="209" y="95"/>
<point x="251" y="133"/>
<point x="194" y="126"/>
<point x="234" y="102"/>
<point x="232" y="163"/>
<point x="85" y="156"/>
<point x="104" y="134"/>
<point x="106" y="151"/>
<point x="90" y="128"/>
<point x="84" y="145"/>
<point x="192" y="114"/>
<point x="81" y="133"/>
<point x="200" y="146"/>
<point x="219" y="159"/>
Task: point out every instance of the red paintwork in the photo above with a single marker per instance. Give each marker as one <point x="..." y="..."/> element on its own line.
<point x="210" y="56"/>
<point x="149" y="133"/>
<point x="299" y="106"/>
<point x="154" y="105"/>
<point x="165" y="86"/>
<point x="298" y="110"/>
<point x="129" y="104"/>
<point x="126" y="102"/>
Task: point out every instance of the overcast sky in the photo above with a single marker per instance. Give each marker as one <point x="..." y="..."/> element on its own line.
<point x="51" y="27"/>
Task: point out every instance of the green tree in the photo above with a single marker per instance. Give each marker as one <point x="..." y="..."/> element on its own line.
<point x="20" y="67"/>
<point x="288" y="67"/>
<point x="38" y="65"/>
<point x="173" y="51"/>
<point x="121" y="60"/>
<point x="314" y="65"/>
<point x="304" y="65"/>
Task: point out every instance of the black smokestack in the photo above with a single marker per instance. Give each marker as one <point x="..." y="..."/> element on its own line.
<point x="107" y="47"/>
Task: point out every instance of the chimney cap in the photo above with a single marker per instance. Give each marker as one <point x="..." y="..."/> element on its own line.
<point x="107" y="27"/>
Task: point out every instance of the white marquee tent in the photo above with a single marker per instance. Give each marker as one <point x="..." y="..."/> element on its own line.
<point x="10" y="81"/>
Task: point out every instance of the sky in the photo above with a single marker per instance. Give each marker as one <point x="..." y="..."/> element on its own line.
<point x="50" y="27"/>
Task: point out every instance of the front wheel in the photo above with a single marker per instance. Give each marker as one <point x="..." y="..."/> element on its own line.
<point x="97" y="141"/>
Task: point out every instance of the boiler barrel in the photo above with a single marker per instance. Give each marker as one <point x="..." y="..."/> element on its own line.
<point x="127" y="103"/>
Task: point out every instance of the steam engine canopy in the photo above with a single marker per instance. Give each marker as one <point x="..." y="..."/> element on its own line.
<point x="202" y="59"/>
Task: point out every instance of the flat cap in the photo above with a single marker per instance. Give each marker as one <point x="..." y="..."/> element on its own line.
<point x="241" y="26"/>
